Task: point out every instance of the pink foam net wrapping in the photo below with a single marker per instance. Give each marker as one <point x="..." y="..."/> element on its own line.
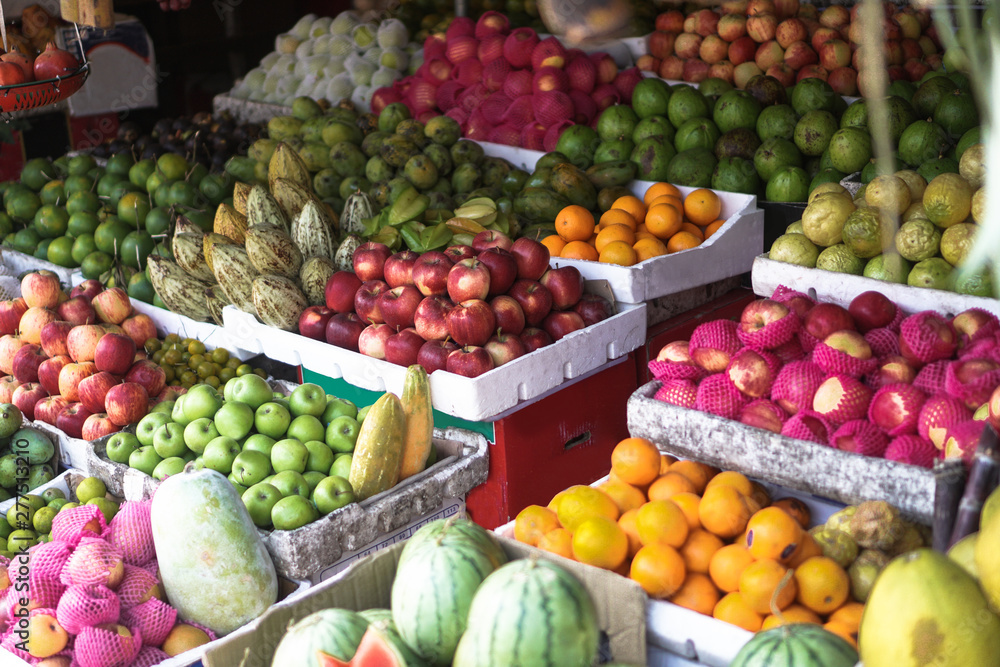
<point x="672" y="370"/>
<point x="974" y="392"/>
<point x="920" y="338"/>
<point x="149" y="656"/>
<point x="896" y="320"/>
<point x="835" y="362"/>
<point x="718" y="395"/>
<point x="9" y="641"/>
<point x="912" y="402"/>
<point x="912" y="449"/>
<point x="84" y="606"/>
<point x="83" y="567"/>
<point x="772" y="334"/>
<point x="853" y="402"/>
<point x="986" y="331"/>
<point x="930" y="378"/>
<point x="807" y="425"/>
<point x="784" y="294"/>
<point x="135" y="585"/>
<point x="678" y="392"/>
<point x="763" y="405"/>
<point x="982" y="348"/>
<point x="717" y="335"/>
<point x="790" y="351"/>
<point x="132" y="532"/>
<point x="70" y="525"/>
<point x="153" y="618"/>
<point x="884" y="342"/>
<point x="941" y="411"/>
<point x="97" y="647"/>
<point x="860" y="436"/>
<point x="796" y="385"/>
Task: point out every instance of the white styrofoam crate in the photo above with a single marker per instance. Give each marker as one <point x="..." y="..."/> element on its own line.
<point x="72" y="452"/>
<point x="841" y="288"/>
<point x="211" y="334"/>
<point x="60" y="481"/>
<point x="475" y="399"/>
<point x="19" y="262"/>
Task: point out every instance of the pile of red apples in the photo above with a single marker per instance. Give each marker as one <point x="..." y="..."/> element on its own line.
<point x="76" y="361"/>
<point x="789" y="41"/>
<point x="868" y="379"/>
<point x="509" y="86"/>
<point x="463" y="310"/>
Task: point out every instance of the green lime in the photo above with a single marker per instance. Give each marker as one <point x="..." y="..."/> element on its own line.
<point x="119" y="190"/>
<point x="26" y="240"/>
<point x="81" y="164"/>
<point x="22" y="205"/>
<point x="120" y="163"/>
<point x="133" y="208"/>
<point x="51" y="221"/>
<point x="161" y="195"/>
<point x="82" y="246"/>
<point x="42" y="249"/>
<point x="82" y="222"/>
<point x="83" y="201"/>
<point x="90" y="487"/>
<point x="106" y="182"/>
<point x="60" y="251"/>
<point x="136" y="247"/>
<point x="158" y="221"/>
<point x="42" y="521"/>
<point x="37" y="172"/>
<point x="173" y="166"/>
<point x="196" y="174"/>
<point x="78" y="183"/>
<point x="53" y="193"/>
<point x="139" y="287"/>
<point x="110" y="234"/>
<point x="183" y="193"/>
<point x="140" y="172"/>
<point x="95" y="264"/>
<point x="6" y="224"/>
<point x="215" y="187"/>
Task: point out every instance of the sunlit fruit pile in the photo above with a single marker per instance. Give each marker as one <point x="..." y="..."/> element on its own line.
<point x="868" y="379"/>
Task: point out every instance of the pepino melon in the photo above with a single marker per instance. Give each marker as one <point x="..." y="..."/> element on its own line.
<point x="334" y="632"/>
<point x="796" y="645"/>
<point x="530" y="612"/>
<point x="213" y="565"/>
<point x="418" y="429"/>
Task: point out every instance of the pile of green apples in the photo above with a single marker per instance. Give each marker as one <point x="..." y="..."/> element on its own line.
<point x="289" y="457"/>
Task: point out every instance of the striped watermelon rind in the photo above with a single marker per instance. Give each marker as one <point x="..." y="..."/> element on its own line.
<point x="796" y="645"/>
<point x="337" y="632"/>
<point x="455" y="530"/>
<point x="530" y="612"/>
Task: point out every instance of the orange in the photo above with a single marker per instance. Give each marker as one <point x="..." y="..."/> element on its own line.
<point x="558" y="541"/>
<point x="533" y="522"/>
<point x="843" y="631"/>
<point x="727" y="565"/>
<point x="796" y="509"/>
<point x="773" y="533"/>
<point x="618" y="216"/>
<point x="554" y="243"/>
<point x="714" y="227"/>
<point x="627" y="522"/>
<point x="849" y="614"/>
<point x="636" y="461"/>
<point x="682" y="240"/>
<point x="659" y="569"/>
<point x="579" y="250"/>
<point x="618" y="252"/>
<point x="723" y="510"/>
<point x="759" y="498"/>
<point x="626" y="496"/>
<point x="582" y="502"/>
<point x="760" y="581"/>
<point x="666" y="460"/>
<point x="808" y="548"/>
<point x="702" y="206"/>
<point x="615" y="232"/>
<point x="695" y="230"/>
<point x="661" y="522"/>
<point x="697" y="594"/>
<point x="647" y="246"/>
<point x="794" y="614"/>
<point x="699" y="473"/>
<point x="575" y="223"/>
<point x="670" y="484"/>
<point x="632" y="205"/>
<point x="601" y="542"/>
<point x="734" y="609"/>
<point x="663" y="221"/>
<point x="666" y="199"/>
<point x="688" y="502"/>
<point x="698" y="550"/>
<point x="659" y="189"/>
<point x="736" y="480"/>
<point x="823" y="585"/>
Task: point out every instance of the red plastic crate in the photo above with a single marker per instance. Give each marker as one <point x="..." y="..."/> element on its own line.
<point x="563" y="439"/>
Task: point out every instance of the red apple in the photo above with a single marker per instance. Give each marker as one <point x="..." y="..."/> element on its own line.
<point x="398" y="268"/>
<point x="835" y="16"/>
<point x="398" y="306"/>
<point x="93" y="390"/>
<point x="88" y="289"/>
<point x="114" y="353"/>
<point x="97" y="426"/>
<point x="8" y="383"/>
<point x="470" y="361"/>
<point x="10" y="315"/>
<point x="112" y="305"/>
<point x="471" y="322"/>
<point x="812" y="72"/>
<point x="430" y="273"/>
<point x="844" y="81"/>
<point x="71" y="420"/>
<point x="49" y="408"/>
<point x="82" y="341"/>
<point x="895" y="408"/>
<point x="849" y="342"/>
<point x="26" y="396"/>
<point x="751" y="373"/>
<point x="140" y="328"/>
<point x="892" y="370"/>
<point x="147" y="375"/>
<point x="695" y="70"/>
<point x="534" y="338"/>
<point x="744" y="72"/>
<point x="761" y="27"/>
<point x="561" y="323"/>
<point x="77" y="310"/>
<point x="713" y="49"/>
<point x="742" y="50"/>
<point x="706" y="21"/>
<point x="41" y="290"/>
<point x="313" y="321"/>
<point x="344" y="329"/>
<point x="431" y="317"/>
<point x="54" y="336"/>
<point x="502" y="267"/>
<point x="687" y="45"/>
<point x="508" y="314"/>
<point x="70" y="377"/>
<point x="433" y="355"/>
<point x="468" y="279"/>
<point x="371" y="341"/>
<point x="369" y="260"/>
<point x="783" y="73"/>
<point x="168" y="394"/>
<point x="972" y="324"/>
<point x="33" y="321"/>
<point x="504" y="347"/>
<point x="764" y="414"/>
<point x="48" y="372"/>
<point x="723" y="70"/>
<point x="456" y="253"/>
<point x="366" y="303"/>
<point x="822" y="36"/>
<point x="491" y="239"/>
<point x="672" y="68"/>
<point x="661" y="45"/>
<point x="534" y="298"/>
<point x="871" y="310"/>
<point x="26" y="363"/>
<point x="758" y="314"/>
<point x="769" y="53"/>
<point x="824" y="319"/>
<point x="732" y="26"/>
<point x="834" y="53"/>
<point x="341" y="289"/>
<point x="565" y="284"/>
<point x="790" y="30"/>
<point x="9" y="345"/>
<point x="800" y="54"/>
<point x="126" y="403"/>
<point x="402" y="347"/>
<point x="670" y="21"/>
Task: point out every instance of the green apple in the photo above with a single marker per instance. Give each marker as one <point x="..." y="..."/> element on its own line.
<point x="144" y="459"/>
<point x="108" y="508"/>
<point x="320" y="456"/>
<point x="199" y="433"/>
<point x="332" y="493"/>
<point x="259" y="499"/>
<point x="336" y="407"/>
<point x="342" y="434"/>
<point x="234" y="420"/>
<point x="342" y="466"/>
<point x="259" y="442"/>
<point x="272" y="419"/>
<point x="307" y="399"/>
<point x="220" y="454"/>
<point x="291" y="483"/>
<point x="168" y="441"/>
<point x="251" y="389"/>
<point x="283" y="402"/>
<point x="240" y="489"/>
<point x="313" y="478"/>
<point x="177" y="413"/>
<point x="70" y="505"/>
<point x="227" y="389"/>
<point x="90" y="487"/>
<point x="251" y="467"/>
<point x="197" y="464"/>
<point x="293" y="512"/>
<point x="201" y="400"/>
<point x="42" y="521"/>
<point x="289" y="454"/>
<point x="306" y="428"/>
<point x="48" y="495"/>
<point x="121" y="445"/>
<point x="362" y="413"/>
<point x="148" y="425"/>
<point x="58" y="503"/>
<point x="166" y="407"/>
<point x="173" y="465"/>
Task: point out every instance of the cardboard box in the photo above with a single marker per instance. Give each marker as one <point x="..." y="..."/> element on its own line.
<point x="841" y="288"/>
<point x="805" y="466"/>
<point x="368" y="584"/>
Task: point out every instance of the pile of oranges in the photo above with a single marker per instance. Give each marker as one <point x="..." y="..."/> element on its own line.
<point x="709" y="541"/>
<point x="633" y="229"/>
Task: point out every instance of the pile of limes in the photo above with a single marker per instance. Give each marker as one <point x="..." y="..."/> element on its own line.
<point x="187" y="362"/>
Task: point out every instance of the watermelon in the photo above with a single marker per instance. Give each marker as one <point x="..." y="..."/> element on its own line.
<point x="334" y="632"/>
<point x="796" y="645"/>
<point x="377" y="650"/>
<point x="381" y="620"/>
<point x="530" y="612"/>
<point x="439" y="570"/>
